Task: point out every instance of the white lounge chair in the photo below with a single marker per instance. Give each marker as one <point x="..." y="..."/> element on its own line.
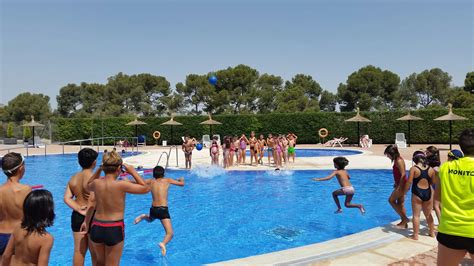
<point x="206" y="140"/>
<point x="339" y="141"/>
<point x="400" y="140"/>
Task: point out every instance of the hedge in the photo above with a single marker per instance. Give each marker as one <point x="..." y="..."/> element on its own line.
<point x="382" y="129"/>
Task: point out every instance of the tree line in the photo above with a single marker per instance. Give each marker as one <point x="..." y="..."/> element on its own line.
<point x="243" y="90"/>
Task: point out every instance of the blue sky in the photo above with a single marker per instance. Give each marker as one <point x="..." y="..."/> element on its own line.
<point x="47" y="44"/>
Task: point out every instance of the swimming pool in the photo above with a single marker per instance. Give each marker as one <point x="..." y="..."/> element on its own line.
<point x="226" y="216"/>
<point x="321" y="152"/>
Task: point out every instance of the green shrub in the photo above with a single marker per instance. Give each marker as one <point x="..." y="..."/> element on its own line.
<point x="382" y="129"/>
<point x="10" y="130"/>
<point x="26" y="133"/>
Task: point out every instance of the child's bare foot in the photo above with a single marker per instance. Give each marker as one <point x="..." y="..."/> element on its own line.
<point x="414" y="237"/>
<point x="362" y="210"/>
<point x="338" y="211"/>
<point x="163" y="249"/>
<point x="432" y="234"/>
<point x="402" y="225"/>
<point x="139" y="218"/>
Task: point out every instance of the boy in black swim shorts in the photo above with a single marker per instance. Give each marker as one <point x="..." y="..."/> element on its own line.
<point x="159" y="210"/>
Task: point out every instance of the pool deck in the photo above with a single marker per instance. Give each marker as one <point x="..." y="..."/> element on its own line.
<point x="377" y="246"/>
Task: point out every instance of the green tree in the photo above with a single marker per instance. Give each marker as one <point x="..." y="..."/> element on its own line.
<point x="267" y="87"/>
<point x="10" y="130"/>
<point x="328" y="101"/>
<point x="69" y="99"/>
<point x="469" y="82"/>
<point x="300" y="95"/>
<point x="174" y="103"/>
<point x="426" y="88"/>
<point x="368" y="88"/>
<point x="26" y="105"/>
<point x="194" y="91"/>
<point x="239" y="82"/>
<point x="459" y="98"/>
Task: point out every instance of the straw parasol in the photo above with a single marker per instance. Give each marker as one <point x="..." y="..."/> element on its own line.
<point x="358" y="118"/>
<point x="33" y="124"/>
<point x="210" y="122"/>
<point x="450" y="117"/>
<point x="409" y="118"/>
<point x="171" y="123"/>
<point x="136" y="123"/>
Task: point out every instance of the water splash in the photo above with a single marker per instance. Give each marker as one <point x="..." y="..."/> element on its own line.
<point x="281" y="172"/>
<point x="207" y="171"/>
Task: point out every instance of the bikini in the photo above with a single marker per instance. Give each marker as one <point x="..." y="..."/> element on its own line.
<point x="3" y="242"/>
<point x="243" y="145"/>
<point x="214" y="148"/>
<point x="423" y="194"/>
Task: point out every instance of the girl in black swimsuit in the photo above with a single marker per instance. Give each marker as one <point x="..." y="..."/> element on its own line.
<point x="421" y="175"/>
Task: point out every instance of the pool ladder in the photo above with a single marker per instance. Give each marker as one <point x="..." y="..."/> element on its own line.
<point x="168" y="154"/>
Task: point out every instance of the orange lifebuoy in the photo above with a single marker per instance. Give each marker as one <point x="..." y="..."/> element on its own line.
<point x="156" y="135"/>
<point x="323" y="132"/>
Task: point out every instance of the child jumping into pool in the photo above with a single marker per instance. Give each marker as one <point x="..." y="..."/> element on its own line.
<point x="30" y="243"/>
<point x="346" y="187"/>
<point x="159" y="209"/>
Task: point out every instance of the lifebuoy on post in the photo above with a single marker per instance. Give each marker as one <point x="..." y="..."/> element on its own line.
<point x="156" y="135"/>
<point x="323" y="132"/>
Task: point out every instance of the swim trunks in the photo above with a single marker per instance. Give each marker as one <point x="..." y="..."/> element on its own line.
<point x="109" y="233"/>
<point x="456" y="242"/>
<point x="3" y="242"/>
<point x="160" y="212"/>
<point x="76" y="221"/>
<point x="348" y="190"/>
<point x="291" y="150"/>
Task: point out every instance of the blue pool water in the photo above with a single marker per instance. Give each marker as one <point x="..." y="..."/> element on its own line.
<point x="320" y="152"/>
<point x="226" y="216"/>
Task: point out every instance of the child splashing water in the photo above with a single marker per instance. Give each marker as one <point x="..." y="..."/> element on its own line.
<point x="421" y="175"/>
<point x="346" y="187"/>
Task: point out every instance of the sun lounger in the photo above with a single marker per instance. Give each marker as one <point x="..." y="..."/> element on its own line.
<point x="206" y="140"/>
<point x="400" y="140"/>
<point x="334" y="142"/>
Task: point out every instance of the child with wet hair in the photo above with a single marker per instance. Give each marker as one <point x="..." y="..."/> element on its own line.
<point x="30" y="243"/>
<point x="421" y="176"/>
<point x="346" y="187"/>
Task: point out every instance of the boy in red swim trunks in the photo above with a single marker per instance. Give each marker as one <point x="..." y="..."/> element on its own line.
<point x="107" y="229"/>
<point x="159" y="209"/>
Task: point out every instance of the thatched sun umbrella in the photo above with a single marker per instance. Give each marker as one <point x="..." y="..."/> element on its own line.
<point x="450" y="117"/>
<point x="136" y="123"/>
<point x="409" y="118"/>
<point x="171" y="123"/>
<point x="358" y="118"/>
<point x="33" y="124"/>
<point x="210" y="122"/>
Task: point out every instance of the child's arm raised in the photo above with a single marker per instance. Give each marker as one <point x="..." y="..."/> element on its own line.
<point x="178" y="182"/>
<point x="139" y="188"/>
<point x="94" y="177"/>
<point x="327" y="177"/>
<point x="45" y="250"/>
